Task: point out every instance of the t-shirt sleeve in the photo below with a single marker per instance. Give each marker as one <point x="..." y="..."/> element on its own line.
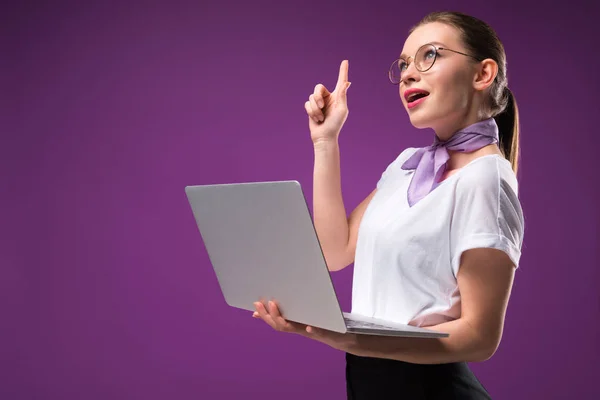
<point x="394" y="166"/>
<point x="487" y="214"/>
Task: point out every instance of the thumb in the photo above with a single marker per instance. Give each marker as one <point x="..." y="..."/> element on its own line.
<point x="315" y="331"/>
<point x="343" y="93"/>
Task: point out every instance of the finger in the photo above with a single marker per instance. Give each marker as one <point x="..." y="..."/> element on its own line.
<point x="285" y="325"/>
<point x="321" y="93"/>
<point x="259" y="310"/>
<point x="342" y="94"/>
<point x="309" y="111"/>
<point x="316" y="110"/>
<point x="274" y="318"/>
<point x="273" y="309"/>
<point x="278" y="318"/>
<point x="264" y="315"/>
<point x="275" y="313"/>
<point x="312" y="330"/>
<point x="342" y="77"/>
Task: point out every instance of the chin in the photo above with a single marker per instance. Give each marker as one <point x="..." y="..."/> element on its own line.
<point x="419" y="121"/>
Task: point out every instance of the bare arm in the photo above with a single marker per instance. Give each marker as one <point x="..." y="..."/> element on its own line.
<point x="327" y="112"/>
<point x="337" y="232"/>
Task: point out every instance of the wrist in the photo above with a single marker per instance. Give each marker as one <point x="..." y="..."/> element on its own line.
<point x="350" y="344"/>
<point x="324" y="144"/>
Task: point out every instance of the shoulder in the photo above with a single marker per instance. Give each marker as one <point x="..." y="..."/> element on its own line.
<point x="486" y="208"/>
<point x="396" y="163"/>
<point x="403" y="156"/>
<point x="488" y="189"/>
<point x="492" y="174"/>
<point x="394" y="168"/>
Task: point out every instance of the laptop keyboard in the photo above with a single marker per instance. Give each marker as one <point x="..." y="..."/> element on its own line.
<point x="351" y="323"/>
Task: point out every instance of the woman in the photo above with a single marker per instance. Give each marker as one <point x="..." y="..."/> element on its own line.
<point x="437" y="242"/>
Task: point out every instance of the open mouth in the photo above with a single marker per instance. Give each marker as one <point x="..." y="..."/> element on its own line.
<point x="411" y="98"/>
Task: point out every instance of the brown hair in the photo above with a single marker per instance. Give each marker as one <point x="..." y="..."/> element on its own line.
<point x="483" y="43"/>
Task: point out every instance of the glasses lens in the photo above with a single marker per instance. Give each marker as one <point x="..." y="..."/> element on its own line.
<point x="396" y="69"/>
<point x="425" y="57"/>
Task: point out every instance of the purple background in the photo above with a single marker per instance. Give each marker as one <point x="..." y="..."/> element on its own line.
<point x="109" y="110"/>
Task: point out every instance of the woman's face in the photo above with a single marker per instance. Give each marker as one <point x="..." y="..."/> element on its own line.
<point x="450" y="101"/>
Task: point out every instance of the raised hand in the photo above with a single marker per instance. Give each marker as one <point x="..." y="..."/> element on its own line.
<point x="327" y="111"/>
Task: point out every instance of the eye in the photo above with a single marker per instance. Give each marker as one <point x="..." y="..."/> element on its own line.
<point x="429" y="54"/>
<point x="402" y="65"/>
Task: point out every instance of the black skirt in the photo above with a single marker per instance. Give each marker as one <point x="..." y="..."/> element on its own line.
<point x="377" y="379"/>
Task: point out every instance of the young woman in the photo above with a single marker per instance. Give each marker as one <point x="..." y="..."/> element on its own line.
<point x="437" y="242"/>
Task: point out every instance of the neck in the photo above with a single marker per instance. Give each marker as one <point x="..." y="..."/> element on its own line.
<point x="459" y="159"/>
<point x="447" y="127"/>
<point x="448" y="130"/>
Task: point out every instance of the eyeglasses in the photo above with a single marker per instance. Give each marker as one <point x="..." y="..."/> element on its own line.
<point x="424" y="60"/>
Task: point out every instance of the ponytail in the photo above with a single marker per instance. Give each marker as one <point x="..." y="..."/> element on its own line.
<point x="508" y="127"/>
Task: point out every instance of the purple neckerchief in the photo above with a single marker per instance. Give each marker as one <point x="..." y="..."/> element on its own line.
<point x="429" y="162"/>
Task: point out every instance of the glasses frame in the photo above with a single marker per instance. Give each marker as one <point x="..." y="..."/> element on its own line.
<point x="436" y="48"/>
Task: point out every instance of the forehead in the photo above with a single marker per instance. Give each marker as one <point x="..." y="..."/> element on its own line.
<point x="434" y="32"/>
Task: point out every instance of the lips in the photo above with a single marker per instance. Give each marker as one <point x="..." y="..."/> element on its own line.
<point x="413" y="95"/>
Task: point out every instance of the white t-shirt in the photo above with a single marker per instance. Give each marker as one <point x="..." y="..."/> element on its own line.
<point x="407" y="258"/>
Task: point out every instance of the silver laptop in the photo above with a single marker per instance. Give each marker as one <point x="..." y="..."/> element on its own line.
<point x="262" y="244"/>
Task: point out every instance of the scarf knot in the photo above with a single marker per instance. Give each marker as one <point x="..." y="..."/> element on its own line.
<point x="430" y="162"/>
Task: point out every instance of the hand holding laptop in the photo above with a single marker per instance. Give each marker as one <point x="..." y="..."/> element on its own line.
<point x="271" y="315"/>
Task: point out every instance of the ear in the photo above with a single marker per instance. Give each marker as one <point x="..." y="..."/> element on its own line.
<point x="485" y="74"/>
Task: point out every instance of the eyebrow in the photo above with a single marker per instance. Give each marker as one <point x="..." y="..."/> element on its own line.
<point x="434" y="42"/>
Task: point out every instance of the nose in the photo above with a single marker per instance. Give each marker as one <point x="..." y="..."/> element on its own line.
<point x="411" y="74"/>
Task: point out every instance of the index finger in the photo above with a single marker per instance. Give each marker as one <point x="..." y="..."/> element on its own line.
<point x="343" y="76"/>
